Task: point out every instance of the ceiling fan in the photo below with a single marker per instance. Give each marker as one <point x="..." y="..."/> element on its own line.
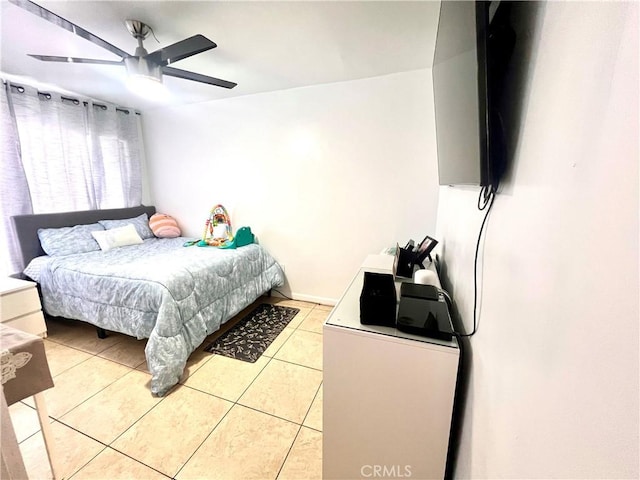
<point x="141" y="64"/>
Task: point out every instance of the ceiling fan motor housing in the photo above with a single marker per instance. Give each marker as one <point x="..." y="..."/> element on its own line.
<point x="137" y="65"/>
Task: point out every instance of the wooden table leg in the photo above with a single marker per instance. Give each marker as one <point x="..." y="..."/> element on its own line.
<point x="11" y="464"/>
<point x="47" y="435"/>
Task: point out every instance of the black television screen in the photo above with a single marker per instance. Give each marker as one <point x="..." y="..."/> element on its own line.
<point x="467" y="73"/>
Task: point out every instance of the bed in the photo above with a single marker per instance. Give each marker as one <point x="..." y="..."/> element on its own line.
<point x="173" y="295"/>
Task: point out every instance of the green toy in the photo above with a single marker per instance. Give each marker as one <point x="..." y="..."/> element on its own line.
<point x="243" y="237"/>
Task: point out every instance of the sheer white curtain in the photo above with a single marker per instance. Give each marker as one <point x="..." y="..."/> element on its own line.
<point x="14" y="190"/>
<point x="64" y="154"/>
<point x="116" y="150"/>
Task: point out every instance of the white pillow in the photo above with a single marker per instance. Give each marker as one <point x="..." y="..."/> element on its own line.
<point x="117" y="237"/>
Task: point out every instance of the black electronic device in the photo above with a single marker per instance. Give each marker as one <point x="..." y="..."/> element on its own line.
<point x="473" y="49"/>
<point x="422" y="313"/>
<point x="418" y="290"/>
<point x="378" y="300"/>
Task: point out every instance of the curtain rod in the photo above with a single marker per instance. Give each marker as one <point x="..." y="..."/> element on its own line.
<point x="75" y="101"/>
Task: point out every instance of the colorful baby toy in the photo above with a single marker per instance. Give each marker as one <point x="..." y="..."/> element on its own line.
<point x="218" y="231"/>
<point x="217" y="228"/>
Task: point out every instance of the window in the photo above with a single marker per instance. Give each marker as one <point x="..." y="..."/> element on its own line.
<point x="61" y="154"/>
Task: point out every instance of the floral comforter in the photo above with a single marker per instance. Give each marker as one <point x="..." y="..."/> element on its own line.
<point x="173" y="295"/>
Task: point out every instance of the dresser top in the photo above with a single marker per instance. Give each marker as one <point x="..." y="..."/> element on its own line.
<point x="346" y="313"/>
<point x="9" y="285"/>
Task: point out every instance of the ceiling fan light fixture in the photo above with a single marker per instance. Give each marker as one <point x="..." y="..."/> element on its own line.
<point x="147" y="87"/>
<point x="144" y="78"/>
<point x="141" y="67"/>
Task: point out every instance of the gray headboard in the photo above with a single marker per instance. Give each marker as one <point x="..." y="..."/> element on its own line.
<point x="27" y="225"/>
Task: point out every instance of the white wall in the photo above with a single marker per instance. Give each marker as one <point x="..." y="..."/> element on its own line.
<point x="324" y="175"/>
<point x="553" y="390"/>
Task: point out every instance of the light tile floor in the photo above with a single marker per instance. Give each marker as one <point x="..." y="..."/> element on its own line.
<point x="227" y="419"/>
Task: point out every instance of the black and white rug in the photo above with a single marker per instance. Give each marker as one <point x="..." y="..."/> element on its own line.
<point x="252" y="335"/>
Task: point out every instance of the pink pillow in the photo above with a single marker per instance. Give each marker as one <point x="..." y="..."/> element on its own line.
<point x="164" y="226"/>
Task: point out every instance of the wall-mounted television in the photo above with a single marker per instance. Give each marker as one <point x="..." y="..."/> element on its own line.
<point x="473" y="48"/>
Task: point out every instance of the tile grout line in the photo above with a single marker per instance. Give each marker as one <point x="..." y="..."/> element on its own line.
<point x="234" y="403"/>
<point x="311" y="405"/>
<point x="288" y="452"/>
<point x="107" y="446"/>
<point x="110" y="445"/>
<point x="76" y="470"/>
<point x="100" y="441"/>
<point x="89" y="397"/>
<point x="301" y="425"/>
<point x="138" y="461"/>
<point x="136" y="421"/>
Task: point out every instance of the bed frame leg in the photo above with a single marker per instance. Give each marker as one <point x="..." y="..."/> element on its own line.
<point x="102" y="333"/>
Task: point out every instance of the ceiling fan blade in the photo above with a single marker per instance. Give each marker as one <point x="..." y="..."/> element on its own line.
<point x="183" y="49"/>
<point x="49" y="58"/>
<point x="197" y="77"/>
<point x="67" y="25"/>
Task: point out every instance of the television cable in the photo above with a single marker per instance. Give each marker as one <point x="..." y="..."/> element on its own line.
<point x="485" y="202"/>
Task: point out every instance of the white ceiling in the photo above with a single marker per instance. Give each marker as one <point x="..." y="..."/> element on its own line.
<point x="262" y="46"/>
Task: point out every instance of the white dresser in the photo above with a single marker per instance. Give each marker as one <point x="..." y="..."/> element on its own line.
<point x="20" y="306"/>
<point x="388" y="395"/>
